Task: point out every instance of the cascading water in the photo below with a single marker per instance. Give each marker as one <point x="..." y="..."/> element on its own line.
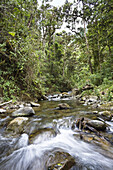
<point x="36" y="155"/>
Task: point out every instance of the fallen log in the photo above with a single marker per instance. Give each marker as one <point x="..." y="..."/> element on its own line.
<point x="5" y="103"/>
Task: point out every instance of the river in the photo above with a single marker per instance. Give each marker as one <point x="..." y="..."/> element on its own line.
<point x="50" y="131"/>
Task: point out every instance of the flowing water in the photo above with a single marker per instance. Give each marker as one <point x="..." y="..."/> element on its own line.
<point x="32" y="150"/>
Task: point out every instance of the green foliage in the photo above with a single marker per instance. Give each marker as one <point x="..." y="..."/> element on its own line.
<point x="96" y="79"/>
<point x="9" y="89"/>
<point x="34" y="59"/>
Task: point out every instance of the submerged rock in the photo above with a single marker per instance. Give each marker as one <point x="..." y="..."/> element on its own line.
<point x="42" y="134"/>
<point x="63" y="106"/>
<point x="25" y="111"/>
<point x="22" y="141"/>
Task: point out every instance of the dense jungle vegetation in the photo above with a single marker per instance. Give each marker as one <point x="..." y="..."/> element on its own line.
<point x="35" y="59"/>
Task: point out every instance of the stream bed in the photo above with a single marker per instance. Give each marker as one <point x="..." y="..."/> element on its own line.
<point x="48" y="141"/>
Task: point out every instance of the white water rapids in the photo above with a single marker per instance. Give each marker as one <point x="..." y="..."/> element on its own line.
<point x="36" y="156"/>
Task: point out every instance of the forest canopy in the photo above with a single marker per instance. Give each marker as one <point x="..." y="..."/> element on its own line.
<point x="35" y="59"/>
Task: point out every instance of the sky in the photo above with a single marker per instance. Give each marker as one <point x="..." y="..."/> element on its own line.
<point x="57" y="2"/>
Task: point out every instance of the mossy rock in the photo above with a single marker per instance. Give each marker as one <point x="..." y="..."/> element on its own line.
<point x="60" y="161"/>
<point x="106" y="115"/>
<point x="16" y="126"/>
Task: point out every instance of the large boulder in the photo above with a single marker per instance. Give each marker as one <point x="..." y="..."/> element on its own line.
<point x="97" y="124"/>
<point x="60" y="161"/>
<point x="16" y="126"/>
<point x="25" y="111"/>
<point x="91" y="125"/>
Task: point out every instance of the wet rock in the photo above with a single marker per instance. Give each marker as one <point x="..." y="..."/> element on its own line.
<point x="94" y="112"/>
<point x="25" y="111"/>
<point x="94" y="139"/>
<point x="80" y="123"/>
<point x="63" y="106"/>
<point x="17" y="125"/>
<point x="65" y="95"/>
<point x="2" y="111"/>
<point x="95" y="105"/>
<point x="5" y="146"/>
<point x="90" y="125"/>
<point x="68" y="164"/>
<point x="107" y="106"/>
<point x="87" y="137"/>
<point x="42" y="134"/>
<point x="106" y="115"/>
<point x="18" y="121"/>
<point x="54" y="97"/>
<point x="92" y="99"/>
<point x="97" y="124"/>
<point x="60" y="161"/>
<point x="82" y="102"/>
<point x="34" y="104"/>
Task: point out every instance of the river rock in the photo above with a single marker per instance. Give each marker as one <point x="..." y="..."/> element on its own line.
<point x="42" y="134"/>
<point x="63" y="106"/>
<point x="97" y="124"/>
<point x="25" y="111"/>
<point x="106" y="115"/>
<point x="92" y="99"/>
<point x="2" y="111"/>
<point x="34" y="104"/>
<point x="65" y="95"/>
<point x="60" y="161"/>
<point x="94" y="139"/>
<point x="17" y="125"/>
<point x="18" y="121"/>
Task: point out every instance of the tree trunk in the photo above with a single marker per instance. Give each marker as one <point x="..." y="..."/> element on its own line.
<point x="88" y="51"/>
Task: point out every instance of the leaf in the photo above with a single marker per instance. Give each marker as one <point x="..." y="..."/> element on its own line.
<point x="12" y="33"/>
